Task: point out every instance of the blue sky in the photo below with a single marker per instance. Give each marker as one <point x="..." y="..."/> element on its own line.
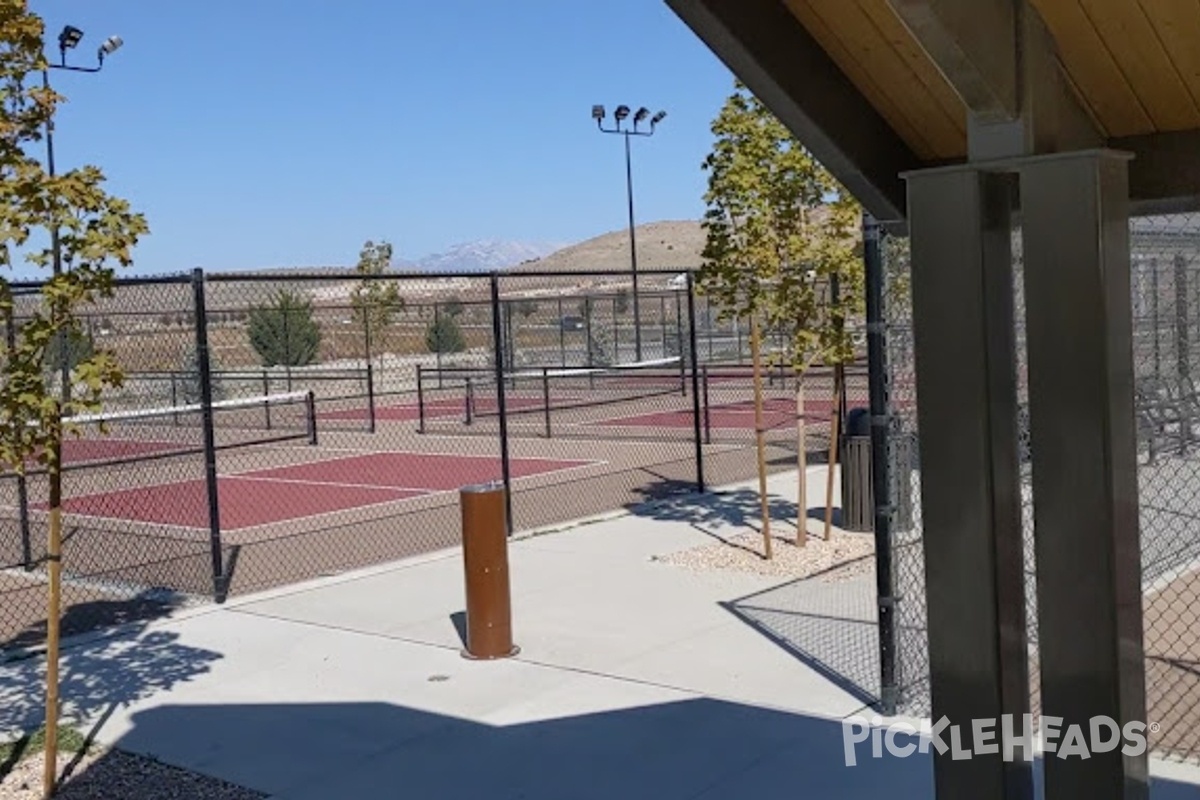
<point x="257" y="133"/>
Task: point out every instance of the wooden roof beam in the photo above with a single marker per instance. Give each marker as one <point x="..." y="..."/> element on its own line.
<point x="1002" y="61"/>
<point x="771" y="52"/>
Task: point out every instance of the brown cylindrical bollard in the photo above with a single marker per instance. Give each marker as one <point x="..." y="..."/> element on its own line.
<point x="485" y="562"/>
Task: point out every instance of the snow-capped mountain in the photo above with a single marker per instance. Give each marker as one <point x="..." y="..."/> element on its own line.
<point x="481" y="256"/>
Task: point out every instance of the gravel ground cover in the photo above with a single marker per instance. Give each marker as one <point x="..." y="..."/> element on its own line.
<point x="116" y="775"/>
<point x="843" y="556"/>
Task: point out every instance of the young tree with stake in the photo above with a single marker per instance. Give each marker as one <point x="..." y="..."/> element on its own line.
<point x="778" y="229"/>
<point x="375" y="302"/>
<point x="93" y="231"/>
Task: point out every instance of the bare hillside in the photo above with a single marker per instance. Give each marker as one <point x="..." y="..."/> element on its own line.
<point x="673" y="244"/>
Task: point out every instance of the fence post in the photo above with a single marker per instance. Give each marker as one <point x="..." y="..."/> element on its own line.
<point x="203" y="367"/>
<point x="696" y="435"/>
<point x="1183" y="347"/>
<point x="707" y="416"/>
<point x="310" y="407"/>
<point x="880" y="480"/>
<point x="498" y="342"/>
<point x="1154" y="317"/>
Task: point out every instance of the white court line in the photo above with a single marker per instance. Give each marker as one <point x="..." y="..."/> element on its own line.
<point x="381" y="487"/>
<point x="370" y="452"/>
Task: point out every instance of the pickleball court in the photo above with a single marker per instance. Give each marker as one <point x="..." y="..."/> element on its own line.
<point x="309" y="489"/>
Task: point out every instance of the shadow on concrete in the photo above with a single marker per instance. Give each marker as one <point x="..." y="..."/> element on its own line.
<point x="98" y="676"/>
<point x="715" y="513"/>
<point x="81" y="617"/>
<point x="459" y="620"/>
<point x="831" y="626"/>
<point x="700" y="749"/>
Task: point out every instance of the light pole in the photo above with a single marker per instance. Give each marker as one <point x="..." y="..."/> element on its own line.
<point x="620" y="115"/>
<point x="68" y="39"/>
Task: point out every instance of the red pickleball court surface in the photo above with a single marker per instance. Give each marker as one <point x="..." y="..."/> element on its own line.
<point x="279" y="494"/>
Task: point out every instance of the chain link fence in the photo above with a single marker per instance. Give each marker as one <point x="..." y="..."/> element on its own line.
<point x="1165" y="286"/>
<point x="276" y="429"/>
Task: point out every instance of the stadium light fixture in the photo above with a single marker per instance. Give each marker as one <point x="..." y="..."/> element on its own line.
<point x="620" y="114"/>
<point x="111" y="45"/>
<point x="69" y="38"/>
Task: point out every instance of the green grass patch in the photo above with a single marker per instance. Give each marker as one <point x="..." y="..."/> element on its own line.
<point x="14" y="752"/>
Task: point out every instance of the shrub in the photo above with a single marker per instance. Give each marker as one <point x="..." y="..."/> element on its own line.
<point x="283" y="332"/>
<point x="444" y="335"/>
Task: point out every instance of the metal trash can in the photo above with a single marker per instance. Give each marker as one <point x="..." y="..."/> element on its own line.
<point x="858" y="496"/>
<point x="858" y="509"/>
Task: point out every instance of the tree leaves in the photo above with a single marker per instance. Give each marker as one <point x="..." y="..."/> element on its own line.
<point x="779" y="230"/>
<point x="374" y="301"/>
<point x="95" y="231"/>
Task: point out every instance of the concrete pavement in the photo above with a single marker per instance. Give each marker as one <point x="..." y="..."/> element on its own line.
<point x="635" y="680"/>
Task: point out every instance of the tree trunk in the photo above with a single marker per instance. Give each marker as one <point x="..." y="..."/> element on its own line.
<point x="53" y="615"/>
<point x="756" y="356"/>
<point x="801" y="465"/>
<point x="834" y="433"/>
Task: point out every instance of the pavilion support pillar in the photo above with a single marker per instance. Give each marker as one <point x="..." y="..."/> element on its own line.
<point x="1075" y="223"/>
<point x="962" y="292"/>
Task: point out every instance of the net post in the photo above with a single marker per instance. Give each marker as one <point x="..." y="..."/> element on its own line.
<point x="546" y="398"/>
<point x="203" y="366"/>
<point x="691" y="304"/>
<point x="310" y="408"/>
<point x="468" y="400"/>
<point x="437" y="355"/>
<point x="617" y="333"/>
<point x="175" y="397"/>
<point x="421" y="400"/>
<point x="266" y="393"/>
<point x="662" y="321"/>
<point x="707" y="406"/>
<point x="562" y="335"/>
<point x="498" y="341"/>
<point x="370" y="398"/>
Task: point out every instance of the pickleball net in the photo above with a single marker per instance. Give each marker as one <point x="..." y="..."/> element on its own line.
<point x="127" y="436"/>
<point x="466" y="399"/>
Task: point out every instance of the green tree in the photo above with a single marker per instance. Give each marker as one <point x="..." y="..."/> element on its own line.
<point x="77" y="346"/>
<point x="283" y="332"/>
<point x="621" y="302"/>
<point x="453" y="307"/>
<point x="779" y="230"/>
<point x="375" y="302"/>
<point x="525" y="307"/>
<point x="600" y="347"/>
<point x="90" y="232"/>
<point x="444" y="335"/>
<point x="191" y="378"/>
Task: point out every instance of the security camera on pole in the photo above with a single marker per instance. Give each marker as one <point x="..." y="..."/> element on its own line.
<point x="639" y="117"/>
